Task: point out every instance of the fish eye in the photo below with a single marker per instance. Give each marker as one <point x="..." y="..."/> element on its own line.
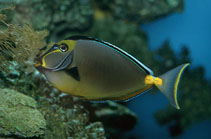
<point x="63" y="47"/>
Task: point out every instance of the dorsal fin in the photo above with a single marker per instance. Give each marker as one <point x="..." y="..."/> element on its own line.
<point x="79" y="37"/>
<point x="137" y="62"/>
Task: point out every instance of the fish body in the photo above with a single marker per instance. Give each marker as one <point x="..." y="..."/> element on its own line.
<point x="99" y="71"/>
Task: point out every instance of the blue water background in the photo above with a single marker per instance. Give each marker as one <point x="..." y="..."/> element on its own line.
<point x="191" y="28"/>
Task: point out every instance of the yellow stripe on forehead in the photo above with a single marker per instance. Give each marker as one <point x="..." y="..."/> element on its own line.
<point x="70" y="43"/>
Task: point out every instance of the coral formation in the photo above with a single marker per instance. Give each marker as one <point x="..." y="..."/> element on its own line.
<point x="139" y="11"/>
<point x="56" y="16"/>
<point x="22" y="43"/>
<point x="19" y="115"/>
<point x="65" y="117"/>
<point x="72" y="122"/>
<point x="62" y="17"/>
<point x="18" y="43"/>
<point x="112" y="115"/>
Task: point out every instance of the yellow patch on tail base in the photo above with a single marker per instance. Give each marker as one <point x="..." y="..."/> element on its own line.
<point x="150" y="80"/>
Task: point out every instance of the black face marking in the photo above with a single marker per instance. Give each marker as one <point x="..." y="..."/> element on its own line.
<point x="74" y="73"/>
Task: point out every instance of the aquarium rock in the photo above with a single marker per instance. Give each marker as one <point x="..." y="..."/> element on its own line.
<point x="19" y="115"/>
<point x="71" y="123"/>
<point x="139" y="10"/>
<point x="115" y="117"/>
<point x="56" y="16"/>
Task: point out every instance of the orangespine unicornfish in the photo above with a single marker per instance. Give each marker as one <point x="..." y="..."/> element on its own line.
<point x="99" y="71"/>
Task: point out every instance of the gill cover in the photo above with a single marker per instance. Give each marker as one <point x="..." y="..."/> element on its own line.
<point x="59" y="56"/>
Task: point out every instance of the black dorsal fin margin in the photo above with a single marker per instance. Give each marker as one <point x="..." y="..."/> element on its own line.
<point x="79" y="37"/>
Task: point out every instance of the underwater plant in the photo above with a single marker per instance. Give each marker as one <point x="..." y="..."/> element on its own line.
<point x="19" y="44"/>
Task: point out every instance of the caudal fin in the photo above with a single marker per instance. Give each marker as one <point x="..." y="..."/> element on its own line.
<point x="170" y="81"/>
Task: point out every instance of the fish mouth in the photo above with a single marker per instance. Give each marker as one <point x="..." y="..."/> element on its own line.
<point x="38" y="62"/>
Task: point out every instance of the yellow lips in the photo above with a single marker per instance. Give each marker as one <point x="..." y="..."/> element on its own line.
<point x="37" y="63"/>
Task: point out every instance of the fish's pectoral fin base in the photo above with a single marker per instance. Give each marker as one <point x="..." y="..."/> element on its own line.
<point x="73" y="72"/>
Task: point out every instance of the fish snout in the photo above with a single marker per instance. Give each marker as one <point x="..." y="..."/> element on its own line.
<point x="38" y="62"/>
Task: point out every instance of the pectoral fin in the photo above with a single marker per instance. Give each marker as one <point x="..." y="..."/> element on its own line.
<point x="73" y="72"/>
